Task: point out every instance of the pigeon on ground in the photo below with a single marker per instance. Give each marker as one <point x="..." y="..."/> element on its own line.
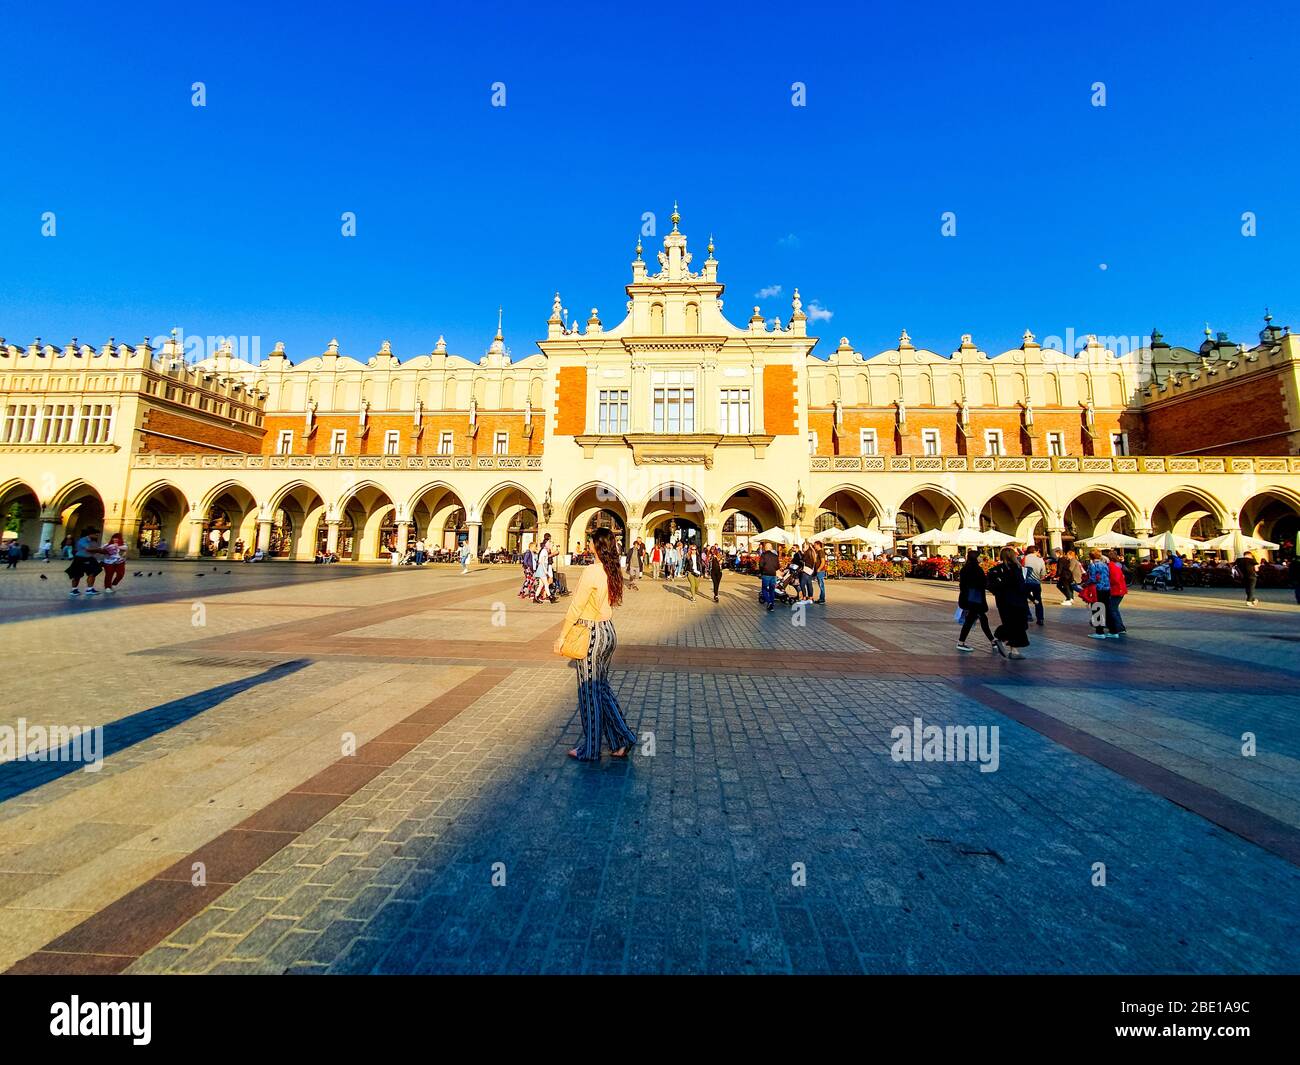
<point x="138" y="573"/>
<point x="149" y="574"/>
<point x="227" y="571"/>
<point x="198" y="574"/>
<point x="44" y="578"/>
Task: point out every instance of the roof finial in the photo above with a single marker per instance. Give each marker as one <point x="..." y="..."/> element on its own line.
<point x="638" y="247"/>
<point x="1207" y="331"/>
<point x="500" y="313"/>
<point x="1267" y="317"/>
<point x="710" y="245"/>
<point x="676" y="217"/>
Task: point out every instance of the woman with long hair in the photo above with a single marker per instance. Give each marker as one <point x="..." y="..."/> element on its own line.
<point x="1007" y="583"/>
<point x="972" y="598"/>
<point x="715" y="568"/>
<point x="542" y="572"/>
<point x="599" y="590"/>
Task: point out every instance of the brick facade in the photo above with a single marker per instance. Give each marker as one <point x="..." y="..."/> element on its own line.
<point x="780" y="400"/>
<point x="571" y="407"/>
<point x="165" y="433"/>
<point x="1227" y="420"/>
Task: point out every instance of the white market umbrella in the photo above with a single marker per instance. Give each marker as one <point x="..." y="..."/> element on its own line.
<point x="966" y="537"/>
<point x="777" y="536"/>
<point x="930" y="538"/>
<point x="1167" y="541"/>
<point x="856" y="534"/>
<point x="1238" y="542"/>
<point x="994" y="538"/>
<point x="1110" y="540"/>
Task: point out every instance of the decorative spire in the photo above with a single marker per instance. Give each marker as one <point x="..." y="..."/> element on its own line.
<point x="500" y="317"/>
<point x="676" y="217"/>
<point x="1208" y="334"/>
<point x="1267" y="317"/>
<point x="710" y="245"/>
<point x="638" y="247"/>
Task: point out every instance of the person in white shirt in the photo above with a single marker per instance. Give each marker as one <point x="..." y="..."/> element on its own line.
<point x="1034" y="569"/>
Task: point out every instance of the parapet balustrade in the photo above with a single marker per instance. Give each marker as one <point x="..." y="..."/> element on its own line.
<point x="1052" y="464"/>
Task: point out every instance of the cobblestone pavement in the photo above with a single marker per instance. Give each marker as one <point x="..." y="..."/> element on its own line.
<point x="363" y="770"/>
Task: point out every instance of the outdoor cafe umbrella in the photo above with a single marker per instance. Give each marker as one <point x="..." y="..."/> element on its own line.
<point x="856" y="534"/>
<point x="774" y="534"/>
<point x="1111" y="539"/>
<point x="1237" y="542"/>
<point x="1167" y="541"/>
<point x="930" y="538"/>
<point x="967" y="537"/>
<point x="994" y="538"/>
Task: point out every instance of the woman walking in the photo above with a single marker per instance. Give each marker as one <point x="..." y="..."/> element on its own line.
<point x="635" y="563"/>
<point x="599" y="590"/>
<point x="1099" y="580"/>
<point x="715" y="570"/>
<point x="1118" y="589"/>
<point x="972" y="598"/>
<point x="542" y="572"/>
<point x="694" y="570"/>
<point x="1007" y="583"/>
<point x="114" y="562"/>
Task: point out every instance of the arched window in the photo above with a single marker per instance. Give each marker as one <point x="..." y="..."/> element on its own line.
<point x="281" y="545"/>
<point x="656" y="319"/>
<point x="827" y="520"/>
<point x="738" y="529"/>
<point x="692" y="318"/>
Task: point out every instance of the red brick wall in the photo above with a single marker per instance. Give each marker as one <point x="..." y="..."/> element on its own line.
<point x="779" y="399"/>
<point x="1212" y="421"/>
<point x="951" y="442"/>
<point x="199" y="437"/>
<point x="434" y="423"/>
<point x="571" y="411"/>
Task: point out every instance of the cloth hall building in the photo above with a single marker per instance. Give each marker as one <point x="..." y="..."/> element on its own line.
<point x="675" y="421"/>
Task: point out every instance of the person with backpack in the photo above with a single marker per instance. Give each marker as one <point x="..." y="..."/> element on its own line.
<point x="972" y="600"/>
<point x="1006" y="582"/>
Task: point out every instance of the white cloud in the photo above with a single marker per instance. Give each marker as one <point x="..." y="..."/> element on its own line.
<point x="818" y="313"/>
<point x="767" y="292"/>
<point x="788" y="241"/>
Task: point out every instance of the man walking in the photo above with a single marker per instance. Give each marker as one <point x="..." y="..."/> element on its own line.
<point x="464" y="557"/>
<point x="819" y="571"/>
<point x="768" y="566"/>
<point x="84" y="563"/>
<point x="1069" y="576"/>
<point x="1247" y="567"/>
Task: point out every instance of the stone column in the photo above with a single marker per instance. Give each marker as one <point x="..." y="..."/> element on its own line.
<point x="475" y="538"/>
<point x="403" y="535"/>
<point x="194" y="548"/>
<point x="332" y="535"/>
<point x="1054" y="541"/>
<point x="1143" y="552"/>
<point x="264" y="536"/>
<point x="48" y="527"/>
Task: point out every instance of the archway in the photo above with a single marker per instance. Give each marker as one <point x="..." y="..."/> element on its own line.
<point x="926" y="509"/>
<point x="162" y="509"/>
<point x="845" y="507"/>
<point x="1273" y="514"/>
<point x="440" y="511"/>
<point x="1019" y="513"/>
<point x="1097" y="511"/>
<point x="296" y="512"/>
<point x="585" y="504"/>
<point x="757" y="504"/>
<point x="1187" y="510"/>
<point x="20" y="515"/>
<point x="674" y="513"/>
<point x="509" y="518"/>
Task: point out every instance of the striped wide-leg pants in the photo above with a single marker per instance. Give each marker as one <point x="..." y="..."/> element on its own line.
<point x="597" y="704"/>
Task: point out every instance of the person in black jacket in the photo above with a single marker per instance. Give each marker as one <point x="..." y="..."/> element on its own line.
<point x="1007" y="583"/>
<point x="715" y="569"/>
<point x="972" y="597"/>
<point x="1247" y="567"/>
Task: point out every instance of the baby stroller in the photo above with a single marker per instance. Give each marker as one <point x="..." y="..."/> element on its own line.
<point x="1158" y="580"/>
<point x="787" y="586"/>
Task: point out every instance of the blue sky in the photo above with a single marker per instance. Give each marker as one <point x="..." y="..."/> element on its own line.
<point x="225" y="219"/>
